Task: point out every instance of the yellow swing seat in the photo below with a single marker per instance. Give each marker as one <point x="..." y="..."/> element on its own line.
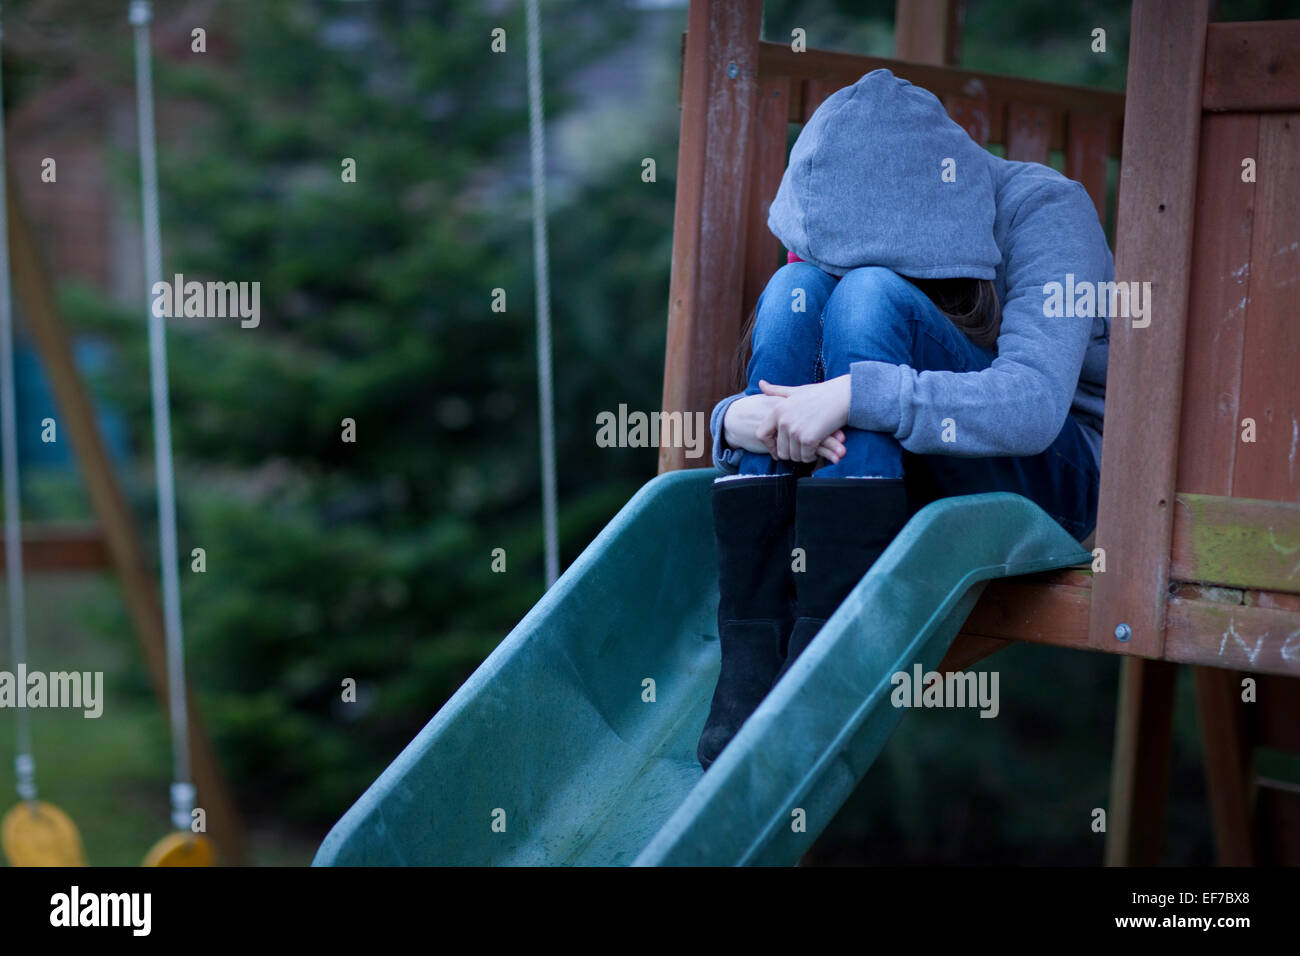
<point x="35" y="833"/>
<point x="181" y="849"/>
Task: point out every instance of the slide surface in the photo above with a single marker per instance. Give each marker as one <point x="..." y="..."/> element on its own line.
<point x="574" y="742"/>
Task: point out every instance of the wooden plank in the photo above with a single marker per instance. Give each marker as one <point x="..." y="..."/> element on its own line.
<point x="1256" y="639"/>
<point x="1285" y="602"/>
<point x="1207" y="592"/>
<point x="1269" y="467"/>
<point x="1262" y="634"/>
<point x="1028" y="133"/>
<point x="1156" y="218"/>
<point x="1236" y="542"/>
<point x="1216" y="322"/>
<point x="815" y="93"/>
<point x="1085" y="155"/>
<point x="928" y="31"/>
<point x="971" y="111"/>
<point x="1139" y="780"/>
<point x="63" y="547"/>
<point x="767" y="164"/>
<point x="1019" y="610"/>
<point x="1252" y="66"/>
<point x="1071" y="577"/>
<point x="77" y="418"/>
<point x="967" y="650"/>
<point x="1227" y="763"/>
<point x="841" y="69"/>
<point x="707" y="276"/>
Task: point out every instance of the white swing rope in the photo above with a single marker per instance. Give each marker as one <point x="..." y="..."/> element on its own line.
<point x="24" y="761"/>
<point x="182" y="790"/>
<point x="546" y="401"/>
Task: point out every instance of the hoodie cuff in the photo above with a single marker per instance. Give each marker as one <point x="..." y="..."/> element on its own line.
<point x="725" y="458"/>
<point x="874" y="402"/>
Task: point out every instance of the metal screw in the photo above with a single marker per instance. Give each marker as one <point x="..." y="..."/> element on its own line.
<point x="733" y="71"/>
<point x="1123" y="632"/>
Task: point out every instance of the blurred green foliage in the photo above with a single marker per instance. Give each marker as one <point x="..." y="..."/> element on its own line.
<point x="371" y="560"/>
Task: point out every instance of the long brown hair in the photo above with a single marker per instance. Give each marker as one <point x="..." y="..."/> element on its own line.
<point x="970" y="304"/>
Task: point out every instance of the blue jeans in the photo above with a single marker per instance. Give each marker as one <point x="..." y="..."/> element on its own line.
<point x="811" y="326"/>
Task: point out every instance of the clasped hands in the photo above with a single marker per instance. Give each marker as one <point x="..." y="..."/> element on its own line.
<point x="792" y="422"/>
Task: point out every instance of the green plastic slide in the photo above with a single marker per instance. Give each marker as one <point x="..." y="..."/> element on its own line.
<point x="574" y="742"/>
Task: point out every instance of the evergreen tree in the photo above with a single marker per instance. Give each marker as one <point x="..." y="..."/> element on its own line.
<point x="371" y="559"/>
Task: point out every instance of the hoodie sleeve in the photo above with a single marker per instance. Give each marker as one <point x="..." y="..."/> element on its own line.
<point x="1018" y="405"/>
<point x="725" y="457"/>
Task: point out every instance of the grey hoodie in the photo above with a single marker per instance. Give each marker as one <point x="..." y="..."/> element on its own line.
<point x="881" y="176"/>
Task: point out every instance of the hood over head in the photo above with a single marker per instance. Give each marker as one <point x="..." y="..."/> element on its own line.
<point x="881" y="176"/>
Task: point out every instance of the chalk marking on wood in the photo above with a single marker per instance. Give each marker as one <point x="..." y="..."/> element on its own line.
<point x="1251" y="655"/>
<point x="1290" y="459"/>
<point x="1272" y="541"/>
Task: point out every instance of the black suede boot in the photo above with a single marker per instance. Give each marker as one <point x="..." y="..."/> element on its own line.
<point x="753" y="524"/>
<point x="843" y="525"/>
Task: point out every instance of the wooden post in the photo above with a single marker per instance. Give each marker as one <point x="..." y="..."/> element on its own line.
<point x="1144" y="382"/>
<point x="705" y="296"/>
<point x="1158" y="168"/>
<point x="928" y="31"/>
<point x="33" y="284"/>
<point x="767" y="165"/>
<point x="1139" y="778"/>
<point x="1228" y="771"/>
